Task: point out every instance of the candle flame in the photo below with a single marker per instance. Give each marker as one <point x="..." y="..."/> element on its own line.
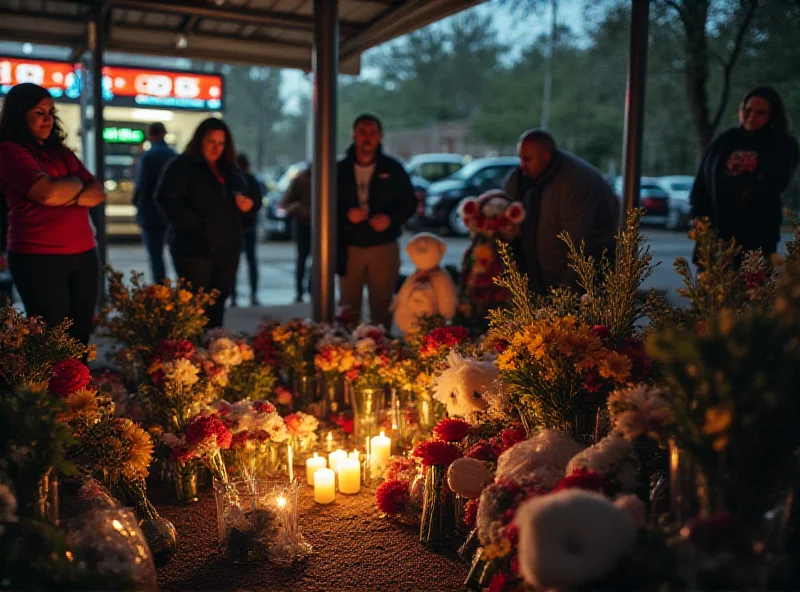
<point x="382" y="434"/>
<point x="281" y="501"/>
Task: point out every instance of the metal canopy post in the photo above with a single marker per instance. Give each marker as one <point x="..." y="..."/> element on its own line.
<point x="97" y="39"/>
<point x="634" y="106"/>
<point x="325" y="60"/>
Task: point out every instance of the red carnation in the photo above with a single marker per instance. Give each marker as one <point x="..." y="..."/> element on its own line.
<point x="469" y="208"/>
<point x="443" y="337"/>
<point x="512" y="436"/>
<point x="69" y="376"/>
<point x="588" y="480"/>
<point x="451" y="430"/>
<point x="437" y="453"/>
<point x="484" y="451"/>
<point x="471" y="513"/>
<point x="502" y="582"/>
<point x="264" y="407"/>
<point x="601" y="331"/>
<point x="174" y="349"/>
<point x="239" y="440"/>
<point x="392" y="497"/>
<point x="204" y="429"/>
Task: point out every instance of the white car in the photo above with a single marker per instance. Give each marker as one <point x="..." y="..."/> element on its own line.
<point x="678" y="188"/>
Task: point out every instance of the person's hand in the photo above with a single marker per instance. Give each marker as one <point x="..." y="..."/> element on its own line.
<point x="380" y="222"/>
<point x="357" y="215"/>
<point x="244" y="203"/>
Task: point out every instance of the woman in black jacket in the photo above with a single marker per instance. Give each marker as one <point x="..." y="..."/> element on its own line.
<point x="744" y="171"/>
<point x="203" y="197"/>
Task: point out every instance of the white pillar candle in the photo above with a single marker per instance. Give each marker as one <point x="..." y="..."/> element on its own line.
<point x="354" y="455"/>
<point x="380" y="451"/>
<point x="349" y="475"/>
<point x="312" y="464"/>
<point x="324" y="486"/>
<point x="335" y="457"/>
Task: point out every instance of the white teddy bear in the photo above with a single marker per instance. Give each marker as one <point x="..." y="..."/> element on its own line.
<point x="430" y="289"/>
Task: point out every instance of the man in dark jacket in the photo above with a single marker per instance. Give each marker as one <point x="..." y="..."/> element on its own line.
<point x="149" y="217"/>
<point x="561" y="193"/>
<point x="375" y="199"/>
<point x="249" y="229"/>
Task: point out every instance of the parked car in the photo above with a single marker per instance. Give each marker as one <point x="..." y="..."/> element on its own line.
<point x="474" y="178"/>
<point x="652" y="199"/>
<point x="276" y="223"/>
<point x="678" y="188"/>
<point x="424" y="169"/>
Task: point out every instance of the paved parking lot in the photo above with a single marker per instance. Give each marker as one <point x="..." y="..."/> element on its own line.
<point x="277" y="262"/>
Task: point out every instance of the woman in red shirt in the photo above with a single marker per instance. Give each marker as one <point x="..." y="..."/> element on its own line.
<point x="51" y="245"/>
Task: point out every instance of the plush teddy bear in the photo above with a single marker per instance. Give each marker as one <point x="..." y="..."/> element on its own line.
<point x="427" y="291"/>
<point x="465" y="386"/>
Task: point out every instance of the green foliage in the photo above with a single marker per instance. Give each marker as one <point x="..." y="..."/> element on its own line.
<point x="33" y="441"/>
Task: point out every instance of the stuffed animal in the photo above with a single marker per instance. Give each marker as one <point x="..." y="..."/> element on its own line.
<point x="464" y="386"/>
<point x="427" y="291"/>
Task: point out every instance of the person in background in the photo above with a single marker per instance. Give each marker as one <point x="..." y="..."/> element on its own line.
<point x="52" y="252"/>
<point x="297" y="203"/>
<point x="744" y="171"/>
<point x="561" y="193"/>
<point x="203" y="197"/>
<point x="150" y="218"/>
<point x="250" y="235"/>
<point x="375" y="199"/>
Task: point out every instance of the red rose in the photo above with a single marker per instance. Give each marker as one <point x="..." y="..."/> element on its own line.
<point x="69" y="376"/>
<point x="392" y="497"/>
<point x="601" y="331"/>
<point x="175" y="349"/>
<point x="451" y="430"/>
<point x="512" y="436"/>
<point x="588" y="480"/>
<point x="437" y="453"/>
<point x="483" y="451"/>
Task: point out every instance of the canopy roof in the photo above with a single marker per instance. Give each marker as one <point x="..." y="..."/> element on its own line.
<point x="265" y="32"/>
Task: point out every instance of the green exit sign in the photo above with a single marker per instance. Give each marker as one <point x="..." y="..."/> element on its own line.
<point x="123" y="135"/>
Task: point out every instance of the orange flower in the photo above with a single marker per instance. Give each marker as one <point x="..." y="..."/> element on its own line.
<point x="615" y="366"/>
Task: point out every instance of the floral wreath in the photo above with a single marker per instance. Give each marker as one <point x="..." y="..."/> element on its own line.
<point x="492" y="213"/>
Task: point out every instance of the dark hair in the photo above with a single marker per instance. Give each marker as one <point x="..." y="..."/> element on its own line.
<point x="779" y="119"/>
<point x="13" y="123"/>
<point x="242" y="161"/>
<point x="156" y="129"/>
<point x="539" y="137"/>
<point x="195" y="147"/>
<point x="368" y="117"/>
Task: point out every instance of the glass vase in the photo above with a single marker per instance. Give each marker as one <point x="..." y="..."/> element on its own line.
<point x="687" y="488"/>
<point x="109" y="543"/>
<point x="304" y="391"/>
<point x="184" y="476"/>
<point x="257" y="520"/>
<point x="401" y="398"/>
<point x="367" y="404"/>
<point x="437" y="525"/>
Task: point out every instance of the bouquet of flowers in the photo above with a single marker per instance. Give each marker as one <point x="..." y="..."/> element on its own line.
<point x="492" y="215"/>
<point x="141" y="317"/>
<point x="302" y="429"/>
<point x="232" y="357"/>
<point x="257" y="430"/>
<point x="296" y="342"/>
<point x="29" y="349"/>
<point x="204" y="439"/>
<point x="372" y="357"/>
<point x="263" y="343"/>
<point x="335" y="356"/>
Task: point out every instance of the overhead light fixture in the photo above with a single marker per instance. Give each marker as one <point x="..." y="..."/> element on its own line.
<point x="182" y="42"/>
<point x="152" y="115"/>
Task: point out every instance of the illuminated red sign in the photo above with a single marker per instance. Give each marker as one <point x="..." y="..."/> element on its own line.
<point x="124" y="87"/>
<point x="57" y="77"/>
<point x="155" y="88"/>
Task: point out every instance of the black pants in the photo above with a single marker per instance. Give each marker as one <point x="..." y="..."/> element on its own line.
<point x="217" y="273"/>
<point x="249" y="241"/>
<point x="302" y="236"/>
<point x="153" y="239"/>
<point x="58" y="287"/>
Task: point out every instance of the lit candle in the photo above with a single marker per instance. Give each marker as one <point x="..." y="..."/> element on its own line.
<point x="335" y="457"/>
<point x="312" y="464"/>
<point x="329" y="440"/>
<point x="324" y="486"/>
<point x="354" y="455"/>
<point x="290" y="461"/>
<point x="380" y="451"/>
<point x="349" y="475"/>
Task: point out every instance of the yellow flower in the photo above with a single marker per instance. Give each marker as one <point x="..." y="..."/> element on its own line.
<point x="615" y="366"/>
<point x="184" y="296"/>
<point x="497" y="550"/>
<point x="140" y="448"/>
<point x="718" y="421"/>
<point x="82" y="402"/>
<point x="161" y="292"/>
